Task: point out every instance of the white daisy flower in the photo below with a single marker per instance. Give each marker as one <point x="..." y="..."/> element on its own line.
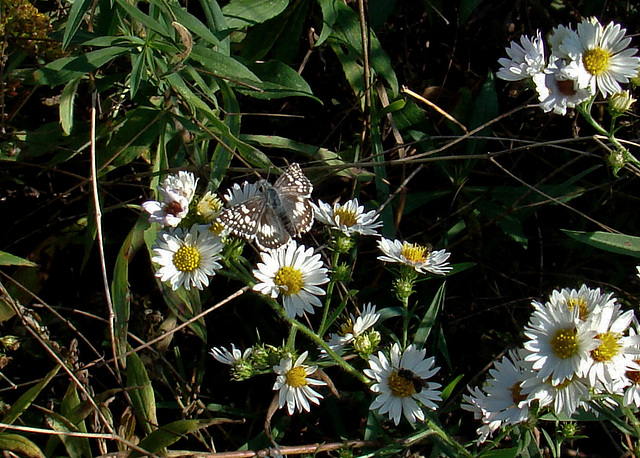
<point x="209" y="207"/>
<point x="615" y="355"/>
<point x="294" y="272"/>
<point x="353" y="328"/>
<point x="401" y="383"/>
<point x="187" y="258"/>
<point x="559" y="87"/>
<point x="294" y="384"/>
<point x="559" y="343"/>
<point x="421" y="258"/>
<point x="565" y="398"/>
<point x="500" y="400"/>
<point x="604" y="54"/>
<point x="525" y="59"/>
<point x="176" y="192"/>
<point x="239" y="193"/>
<point x="631" y="386"/>
<point x="229" y="357"/>
<point x="586" y="299"/>
<point x="557" y="36"/>
<point x="638" y="269"/>
<point x="348" y="218"/>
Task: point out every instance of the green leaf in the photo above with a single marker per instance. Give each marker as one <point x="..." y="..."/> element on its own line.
<point x="120" y="283"/>
<point x="485" y="108"/>
<point x="7" y="259"/>
<point x="346" y="34"/>
<point x="64" y="70"/>
<point x="502" y="453"/>
<point x="22" y="445"/>
<point x="243" y="13"/>
<point x="429" y="318"/>
<point x="221" y="158"/>
<point x="78" y="9"/>
<point x="23" y="403"/>
<point x="77" y="447"/>
<point x="193" y="24"/>
<point x="141" y="393"/>
<point x="225" y="67"/>
<point x="278" y="81"/>
<point x="66" y="105"/>
<point x="145" y="20"/>
<point x="138" y="70"/>
<point x="615" y="243"/>
<point x="169" y="434"/>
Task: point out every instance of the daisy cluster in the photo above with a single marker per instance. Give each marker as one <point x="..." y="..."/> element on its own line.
<point x="193" y="243"/>
<point x="576" y="65"/>
<point x="582" y="348"/>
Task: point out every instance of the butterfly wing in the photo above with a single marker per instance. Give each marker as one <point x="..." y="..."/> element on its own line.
<point x="271" y="232"/>
<point x="244" y="218"/>
<point x="294" y="181"/>
<point x="294" y="190"/>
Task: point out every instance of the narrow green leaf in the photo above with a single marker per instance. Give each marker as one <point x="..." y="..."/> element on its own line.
<point x="7" y="259"/>
<point x="329" y="18"/>
<point x="194" y="24"/>
<point x="78" y="9"/>
<point x="138" y="70"/>
<point x="23" y="403"/>
<point x="221" y="158"/>
<point x="429" y="318"/>
<point x="502" y="453"/>
<point x="224" y="66"/>
<point x="278" y="81"/>
<point x="77" y="447"/>
<point x="19" y="444"/>
<point x="141" y="393"/>
<point x="243" y="13"/>
<point x="169" y="434"/>
<point x="145" y="20"/>
<point x="217" y="22"/>
<point x="485" y="108"/>
<point x="120" y="284"/>
<point x="64" y="70"/>
<point x="66" y="105"/>
<point x="615" y="243"/>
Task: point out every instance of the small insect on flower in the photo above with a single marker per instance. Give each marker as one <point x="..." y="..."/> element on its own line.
<point x="418" y="382"/>
<point x="276" y="213"/>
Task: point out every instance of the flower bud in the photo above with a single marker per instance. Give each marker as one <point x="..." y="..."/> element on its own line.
<point x="620" y="102"/>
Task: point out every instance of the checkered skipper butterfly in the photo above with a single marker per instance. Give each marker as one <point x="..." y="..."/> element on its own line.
<point x="276" y="213"/>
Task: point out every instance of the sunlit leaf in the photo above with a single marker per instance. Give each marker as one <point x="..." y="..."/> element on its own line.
<point x="7" y="259"/>
<point x="615" y="243"/>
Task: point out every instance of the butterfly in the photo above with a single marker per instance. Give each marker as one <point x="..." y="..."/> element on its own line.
<point x="276" y="213"/>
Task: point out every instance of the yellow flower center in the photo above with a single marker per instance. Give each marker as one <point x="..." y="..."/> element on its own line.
<point x="346" y="328"/>
<point x="401" y="387"/>
<point x="581" y="303"/>
<point x="297" y="377"/>
<point x="516" y="394"/>
<point x="347" y="217"/>
<point x="289" y="280"/>
<point x="565" y="343"/>
<point x="186" y="259"/>
<point x="634" y="376"/>
<point x="609" y="348"/>
<point x="414" y="252"/>
<point x="596" y="60"/>
<point x="216" y="227"/>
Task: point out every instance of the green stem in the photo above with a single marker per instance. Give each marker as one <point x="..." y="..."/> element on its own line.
<point x="325" y="312"/>
<point x="318" y="341"/>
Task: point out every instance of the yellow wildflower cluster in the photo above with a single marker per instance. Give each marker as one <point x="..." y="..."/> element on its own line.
<point x="22" y="21"/>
